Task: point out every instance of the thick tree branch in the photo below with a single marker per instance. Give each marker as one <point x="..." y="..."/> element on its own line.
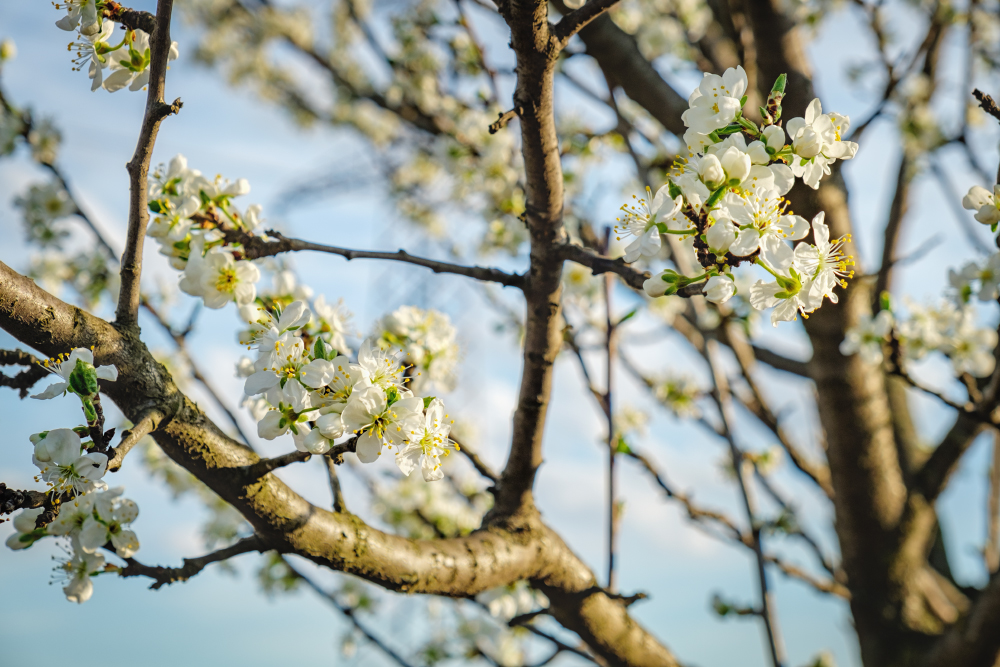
<point x="138" y="168"/>
<point x="932" y="478"/>
<point x="163" y="576"/>
<point x="255" y="247"/>
<point x="505" y="550"/>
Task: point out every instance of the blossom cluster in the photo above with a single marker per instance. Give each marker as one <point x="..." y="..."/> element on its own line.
<point x="951" y="327"/>
<point x="727" y="197"/>
<point x="319" y="395"/>
<point x="428" y="339"/>
<point x="89" y="514"/>
<point x="191" y="213"/>
<point x="98" y="49"/>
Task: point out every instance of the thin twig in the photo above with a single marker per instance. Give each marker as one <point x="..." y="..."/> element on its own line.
<point x="192" y="566"/>
<point x="256" y="246"/>
<point x="725" y="407"/>
<point x="148" y="422"/>
<point x="481" y="467"/>
<point x="502" y="120"/>
<point x="26" y="379"/>
<point x="575" y="21"/>
<point x="339" y="505"/>
<point x="348" y="613"/>
<point x="138" y="168"/>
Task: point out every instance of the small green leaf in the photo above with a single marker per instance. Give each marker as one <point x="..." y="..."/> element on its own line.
<point x="622" y="446"/>
<point x="779" y="85"/>
<point x="427" y="401"/>
<point x="629" y="315"/>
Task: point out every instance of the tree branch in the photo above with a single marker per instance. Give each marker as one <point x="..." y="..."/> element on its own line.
<point x="599" y="264"/>
<point x="26" y="379"/>
<point x="348" y="613"/>
<point x="138" y="168"/>
<point x="256" y="246"/>
<point x="576" y="20"/>
<point x="148" y="422"/>
<point x="618" y="54"/>
<point x="163" y="576"/>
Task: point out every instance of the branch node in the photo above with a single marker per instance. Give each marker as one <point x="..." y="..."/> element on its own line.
<point x="503" y="119"/>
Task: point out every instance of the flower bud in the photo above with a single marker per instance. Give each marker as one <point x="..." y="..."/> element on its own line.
<point x="711" y="172"/>
<point x="736" y="163"/>
<point x="659" y="284"/>
<point x="83" y="379"/>
<point x="719" y="289"/>
<point x="8" y="50"/>
<point x="808" y="144"/>
<point x="774" y="137"/>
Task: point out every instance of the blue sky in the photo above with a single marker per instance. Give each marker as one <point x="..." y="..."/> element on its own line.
<point x="223" y="618"/>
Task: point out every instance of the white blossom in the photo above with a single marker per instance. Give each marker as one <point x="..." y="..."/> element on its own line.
<point x="716" y="101"/>
<point x="64" y="365"/>
<point x="427" y="443"/>
<point x="60" y="457"/>
<point x="867" y="336"/>
<point x="719" y="289"/>
<point x="379" y="417"/>
<point x="77" y="572"/>
<point x="986" y="204"/>
<point x="224" y="279"/>
<point x="24" y="525"/>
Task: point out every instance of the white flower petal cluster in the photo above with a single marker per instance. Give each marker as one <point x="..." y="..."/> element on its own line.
<point x="65" y="465"/>
<point x="128" y="60"/>
<point x="986" y="204"/>
<point x="506" y="602"/>
<point x="727" y="198"/>
<point x="64" y="365"/>
<point x="952" y="330"/>
<point x="715" y="102"/>
<point x="428" y="342"/>
<point x="817" y="143"/>
<point x="979" y="278"/>
<point x="320" y="397"/>
<point x="190" y="213"/>
<point x="811" y="276"/>
<point x="867" y="336"/>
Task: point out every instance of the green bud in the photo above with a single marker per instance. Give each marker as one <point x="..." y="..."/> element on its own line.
<point x="83" y="379"/>
<point x="88" y="411"/>
<point x="886" y="300"/>
<point x="671" y="276"/>
<point x="391" y="396"/>
<point x="81" y="430"/>
<point x="716" y="196"/>
<point x="779" y="85"/>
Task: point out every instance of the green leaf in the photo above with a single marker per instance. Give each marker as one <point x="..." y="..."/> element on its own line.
<point x="674" y="191"/>
<point x="743" y="100"/>
<point x="629" y="315"/>
<point x="779" y="85"/>
<point x="427" y="401"/>
<point x="319" y="349"/>
<point x="155" y="206"/>
<point x="622" y="446"/>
